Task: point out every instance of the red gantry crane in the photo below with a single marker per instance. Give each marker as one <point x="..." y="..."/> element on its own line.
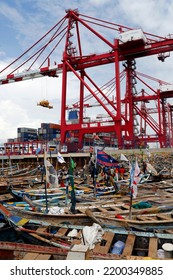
<point x="103" y="67"/>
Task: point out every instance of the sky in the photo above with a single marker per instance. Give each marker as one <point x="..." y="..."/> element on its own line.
<point x="23" y="22"/>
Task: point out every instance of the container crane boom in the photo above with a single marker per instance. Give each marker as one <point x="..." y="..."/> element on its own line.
<point x="31" y="74"/>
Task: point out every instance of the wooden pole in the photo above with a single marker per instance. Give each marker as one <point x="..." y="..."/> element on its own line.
<point x="130" y="209"/>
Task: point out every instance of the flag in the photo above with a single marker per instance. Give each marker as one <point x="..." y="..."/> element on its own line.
<point x="134" y="178"/>
<point x="38" y="151"/>
<point x="71" y="167"/>
<point x="60" y="158"/>
<point x="137" y="169"/>
<point x="51" y="174"/>
<point x="72" y="193"/>
<point x="151" y="169"/>
<point x="103" y="158"/>
<point x="123" y="157"/>
<point x="148" y="152"/>
<point x="72" y="164"/>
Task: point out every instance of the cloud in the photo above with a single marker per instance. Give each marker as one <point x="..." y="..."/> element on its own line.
<point x="2" y="53"/>
<point x="10" y="13"/>
<point x="152" y="16"/>
<point x="10" y="114"/>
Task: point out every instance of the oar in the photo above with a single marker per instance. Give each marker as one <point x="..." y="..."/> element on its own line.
<point x="92" y="216"/>
<point x="28" y="200"/>
<point x="46" y="234"/>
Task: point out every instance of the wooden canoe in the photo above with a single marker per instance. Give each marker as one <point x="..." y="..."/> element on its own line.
<point x="108" y="215"/>
<point x="159" y="221"/>
<point x="35" y="232"/>
<point x="22" y="251"/>
<point x="137" y="244"/>
<point x="35" y="194"/>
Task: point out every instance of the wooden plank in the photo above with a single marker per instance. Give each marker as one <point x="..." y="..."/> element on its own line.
<point x="169" y="231"/>
<point x="152" y="250"/>
<point x="82" y="210"/>
<point x="141" y="218"/>
<point x="128" y="249"/>
<point x="125" y="207"/>
<point x="77" y="240"/>
<point x="30" y="256"/>
<point x="62" y="231"/>
<point x="145" y="218"/>
<point x="40" y="229"/>
<point x="43" y="257"/>
<point x="101" y="209"/>
<point x="163" y="217"/>
<point x="116" y="208"/>
<point x="103" y="248"/>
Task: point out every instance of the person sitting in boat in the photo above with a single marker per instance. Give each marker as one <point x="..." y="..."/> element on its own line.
<point x="113" y="182"/>
<point x="100" y="177"/>
<point x="116" y="173"/>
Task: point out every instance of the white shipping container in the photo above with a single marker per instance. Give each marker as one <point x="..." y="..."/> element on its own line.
<point x="132" y="35"/>
<point x="166" y="88"/>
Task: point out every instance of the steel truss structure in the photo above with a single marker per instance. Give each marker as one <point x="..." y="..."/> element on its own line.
<point x="137" y="110"/>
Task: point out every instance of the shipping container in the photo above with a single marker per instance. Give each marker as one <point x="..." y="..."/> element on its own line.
<point x="131" y="36"/>
<point x="55" y="126"/>
<point x="73" y="115"/>
<point x="27" y="130"/>
<point x="10" y="140"/>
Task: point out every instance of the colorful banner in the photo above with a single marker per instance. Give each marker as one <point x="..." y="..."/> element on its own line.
<point x="105" y="159"/>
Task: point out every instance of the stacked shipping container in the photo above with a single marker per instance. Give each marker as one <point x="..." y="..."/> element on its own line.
<point x="25" y="134"/>
<point x="49" y="131"/>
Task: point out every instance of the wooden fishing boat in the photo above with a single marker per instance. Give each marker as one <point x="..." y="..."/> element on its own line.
<point x="108" y="207"/>
<point x="8" y="233"/>
<point x="160" y="221"/>
<point x="136" y="244"/>
<point x="48" y="219"/>
<point x="20" y="172"/>
<point x="130" y="246"/>
<point x="34" y="232"/>
<point x="7" y="197"/>
<point x="136" y="247"/>
<point x="26" y="182"/>
<point x="5" y="170"/>
<point x="161" y="185"/>
<point x="22" y="251"/>
<point x="39" y="204"/>
<point x="105" y="214"/>
<point x="21" y="182"/>
<point x="40" y="193"/>
<point x="4" y="188"/>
